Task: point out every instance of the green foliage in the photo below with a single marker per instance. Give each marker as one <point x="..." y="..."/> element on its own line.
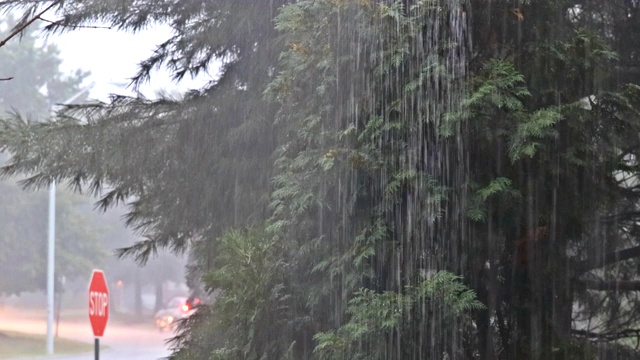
<point x="37" y="82"/>
<point x="254" y="296"/>
<point x="37" y="85"/>
<point x="499" y="87"/>
<point x="366" y="137"/>
<point x="23" y="240"/>
<point x="500" y="93"/>
<point x="538" y="126"/>
<point x="375" y="316"/>
<point x="476" y="209"/>
<point x="342" y="171"/>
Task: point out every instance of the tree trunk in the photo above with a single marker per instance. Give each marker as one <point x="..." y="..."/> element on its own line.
<point x="485" y="335"/>
<point x="562" y="311"/>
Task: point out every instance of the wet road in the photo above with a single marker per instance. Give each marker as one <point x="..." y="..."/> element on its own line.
<point x="110" y="354"/>
<point x="124" y="340"/>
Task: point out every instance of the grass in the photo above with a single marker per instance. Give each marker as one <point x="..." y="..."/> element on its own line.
<point x="15" y="344"/>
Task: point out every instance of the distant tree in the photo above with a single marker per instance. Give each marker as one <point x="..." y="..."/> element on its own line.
<point x="37" y="82"/>
<point x="36" y="85"/>
<point x="161" y="268"/>
<point x="23" y="239"/>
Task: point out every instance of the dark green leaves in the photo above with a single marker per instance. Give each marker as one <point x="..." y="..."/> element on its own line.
<point x="375" y="316"/>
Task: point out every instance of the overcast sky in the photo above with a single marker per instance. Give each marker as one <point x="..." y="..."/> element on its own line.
<point x="112" y="57"/>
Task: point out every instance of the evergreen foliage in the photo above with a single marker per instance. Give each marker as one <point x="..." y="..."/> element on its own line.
<point x="36" y="85"/>
<point x="440" y="302"/>
<point x="349" y="150"/>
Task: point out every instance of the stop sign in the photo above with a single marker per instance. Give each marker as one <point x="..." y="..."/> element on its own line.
<point x="98" y="302"/>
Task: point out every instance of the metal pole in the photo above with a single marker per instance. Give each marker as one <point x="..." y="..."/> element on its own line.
<point x="97" y="349"/>
<point x="59" y="303"/>
<point x="51" y="257"/>
<point x="51" y="266"/>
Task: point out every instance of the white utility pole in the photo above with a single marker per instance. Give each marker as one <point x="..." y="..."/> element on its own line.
<point x="51" y="253"/>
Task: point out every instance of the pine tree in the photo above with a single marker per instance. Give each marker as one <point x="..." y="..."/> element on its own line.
<point x="350" y="150"/>
<point x="32" y="69"/>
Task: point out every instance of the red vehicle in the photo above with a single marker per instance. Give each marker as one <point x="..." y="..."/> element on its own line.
<point x="177" y="308"/>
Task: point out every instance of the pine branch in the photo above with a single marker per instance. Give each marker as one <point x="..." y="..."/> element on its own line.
<point x="625" y="216"/>
<point x="610" y="336"/>
<point x="629" y="69"/>
<point x="59" y="23"/>
<point x="616" y="285"/>
<point x="20" y="28"/>
<point x="608" y="259"/>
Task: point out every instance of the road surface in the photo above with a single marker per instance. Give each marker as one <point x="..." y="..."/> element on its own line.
<point x="125" y="340"/>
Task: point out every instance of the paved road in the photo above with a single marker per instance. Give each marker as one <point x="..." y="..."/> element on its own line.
<point x="124" y="341"/>
<point x="110" y="354"/>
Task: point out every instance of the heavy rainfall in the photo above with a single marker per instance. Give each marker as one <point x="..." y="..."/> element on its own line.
<point x="320" y="179"/>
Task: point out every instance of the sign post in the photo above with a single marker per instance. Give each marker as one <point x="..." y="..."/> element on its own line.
<point x="98" y="307"/>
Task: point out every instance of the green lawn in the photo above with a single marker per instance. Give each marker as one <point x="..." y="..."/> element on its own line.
<point x="14" y="344"/>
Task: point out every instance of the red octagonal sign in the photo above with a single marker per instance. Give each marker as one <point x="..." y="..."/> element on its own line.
<point x="98" y="302"/>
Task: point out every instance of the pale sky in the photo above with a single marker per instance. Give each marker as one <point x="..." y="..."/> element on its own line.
<point x="112" y="57"/>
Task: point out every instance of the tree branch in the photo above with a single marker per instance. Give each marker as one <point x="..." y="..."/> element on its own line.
<point x="6" y="79"/>
<point x="75" y="26"/>
<point x="629" y="69"/>
<point x="630" y="215"/>
<point x="610" y="336"/>
<point x="20" y="28"/>
<point x="608" y="259"/>
<point x="618" y="285"/>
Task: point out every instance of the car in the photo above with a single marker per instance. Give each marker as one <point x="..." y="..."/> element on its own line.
<point x="178" y="308"/>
